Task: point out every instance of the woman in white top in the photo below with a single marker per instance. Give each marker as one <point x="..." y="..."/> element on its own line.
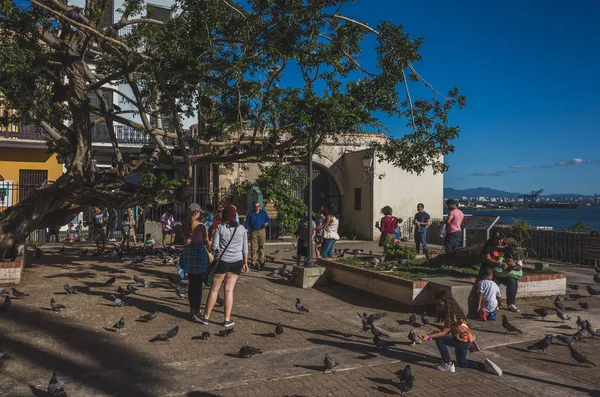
<point x="330" y="233"/>
<point x="230" y="244"/>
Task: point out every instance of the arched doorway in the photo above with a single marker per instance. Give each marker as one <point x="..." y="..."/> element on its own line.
<point x="325" y="189"/>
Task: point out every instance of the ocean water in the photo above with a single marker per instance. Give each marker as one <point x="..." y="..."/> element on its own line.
<point x="558" y="218"/>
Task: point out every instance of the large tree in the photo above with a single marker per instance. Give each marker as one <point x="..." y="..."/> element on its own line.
<point x="266" y="78"/>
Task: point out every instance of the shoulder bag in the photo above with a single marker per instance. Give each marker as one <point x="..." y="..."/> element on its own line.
<point x="210" y="272"/>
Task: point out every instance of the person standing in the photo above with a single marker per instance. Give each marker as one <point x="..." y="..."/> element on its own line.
<point x="256" y="222"/>
<point x="319" y="235"/>
<point x="330" y="234"/>
<point x="422" y="222"/>
<point x="387" y="226"/>
<point x="305" y="230"/>
<point x="112" y="223"/>
<point x="99" y="229"/>
<point x="194" y="260"/>
<point x="168" y="227"/>
<point x="133" y="213"/>
<point x="210" y="216"/>
<point x="453" y="227"/>
<point x="230" y="245"/>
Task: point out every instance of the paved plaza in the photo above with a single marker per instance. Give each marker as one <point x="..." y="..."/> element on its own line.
<point x="92" y="361"/>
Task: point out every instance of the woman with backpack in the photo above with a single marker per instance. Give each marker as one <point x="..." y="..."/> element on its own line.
<point x="456" y="333"/>
<point x="230" y="244"/>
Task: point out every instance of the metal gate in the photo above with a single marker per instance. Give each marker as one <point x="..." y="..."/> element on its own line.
<point x="325" y="190"/>
<point x="30" y="180"/>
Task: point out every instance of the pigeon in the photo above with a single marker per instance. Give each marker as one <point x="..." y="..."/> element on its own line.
<point x="376" y="332"/>
<point x="357" y="251"/>
<point x="407" y="386"/>
<point x="4" y="292"/>
<point x="275" y="252"/>
<point x="412" y="320"/>
<point x="542" y="312"/>
<point x="279" y="330"/>
<point x="123" y="291"/>
<point x="541" y="345"/>
<point x="382" y="343"/>
<point x="404" y="374"/>
<point x="508" y="326"/>
<point x="18" y="294"/>
<point x="375" y="317"/>
<point x="149" y="317"/>
<point x="562" y="315"/>
<point x="5" y="306"/>
<point x="593" y="291"/>
<point x="565" y="338"/>
<point x="249" y="351"/>
<point x="374" y="261"/>
<point x="579" y="322"/>
<point x="70" y="290"/>
<point x="174" y="278"/>
<point x="167" y="336"/>
<point x="330" y="363"/>
<point x="38" y="253"/>
<point x="131" y="288"/>
<point x="425" y="318"/>
<point x="116" y="301"/>
<point x="300" y="307"/>
<point x="141" y="281"/>
<point x="269" y="258"/>
<point x="573" y="287"/>
<point x="414" y="338"/>
<point x="55" y="305"/>
<point x="580" y="358"/>
<point x="584" y="305"/>
<point x="120" y="324"/>
<point x="110" y="281"/>
<point x="364" y="319"/>
<point x="85" y="252"/>
<point x="558" y="303"/>
<point x="295" y="244"/>
<point x="588" y="326"/>
<point x="577" y="296"/>
<point x="226" y="332"/>
<point x="581" y="334"/>
<point x="62" y="249"/>
<point x="284" y="272"/>
<point x="205" y="335"/>
<point x="55" y="388"/>
<point x="180" y="292"/>
<point x="597" y="278"/>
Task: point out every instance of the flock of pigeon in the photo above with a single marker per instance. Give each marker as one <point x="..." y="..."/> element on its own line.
<point x="380" y="339"/>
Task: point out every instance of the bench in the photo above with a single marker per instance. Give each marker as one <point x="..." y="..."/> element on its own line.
<point x="460" y="289"/>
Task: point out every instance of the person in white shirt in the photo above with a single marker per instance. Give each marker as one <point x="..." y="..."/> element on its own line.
<point x="489" y="297"/>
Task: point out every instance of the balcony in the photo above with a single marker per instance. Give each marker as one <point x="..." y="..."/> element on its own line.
<point x="128" y="136"/>
<point x="21" y="131"/>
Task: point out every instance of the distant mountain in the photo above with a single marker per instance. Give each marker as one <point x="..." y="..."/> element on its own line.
<point x="477" y="192"/>
<point x="489" y="192"/>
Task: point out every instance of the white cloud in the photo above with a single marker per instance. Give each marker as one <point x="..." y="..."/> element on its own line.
<point x="486" y="174"/>
<point x="574" y="161"/>
<point x="518" y="167"/>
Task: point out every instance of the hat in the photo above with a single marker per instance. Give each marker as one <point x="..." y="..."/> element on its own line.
<point x="195" y="207"/>
<point x="229" y="213"/>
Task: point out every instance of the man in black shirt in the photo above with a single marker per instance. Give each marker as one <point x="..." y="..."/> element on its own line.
<point x="422" y="222"/>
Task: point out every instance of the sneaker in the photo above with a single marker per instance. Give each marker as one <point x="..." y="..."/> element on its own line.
<point x="228" y="324"/>
<point x="446" y="368"/>
<point x="491" y="368"/>
<point x="200" y="319"/>
<point x="513" y="308"/>
<point x="492" y="316"/>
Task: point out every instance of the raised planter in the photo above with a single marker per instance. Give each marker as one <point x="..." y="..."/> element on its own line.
<point x="10" y="272"/>
<point x="422" y="292"/>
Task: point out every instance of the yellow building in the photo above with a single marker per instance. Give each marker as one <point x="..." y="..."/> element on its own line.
<point x="25" y="163"/>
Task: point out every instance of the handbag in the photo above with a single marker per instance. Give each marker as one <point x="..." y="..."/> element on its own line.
<point x="210" y="272"/>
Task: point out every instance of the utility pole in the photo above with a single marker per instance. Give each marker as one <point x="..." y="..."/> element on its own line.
<point x="310" y="261"/>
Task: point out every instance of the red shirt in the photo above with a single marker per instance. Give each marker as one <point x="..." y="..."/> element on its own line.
<point x="388" y="225"/>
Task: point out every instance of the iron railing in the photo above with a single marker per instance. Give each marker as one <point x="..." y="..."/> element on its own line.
<point x="128" y="136"/>
<point x="22" y="131"/>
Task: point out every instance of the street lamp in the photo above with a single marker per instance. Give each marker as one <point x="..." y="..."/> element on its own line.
<point x="367" y="161"/>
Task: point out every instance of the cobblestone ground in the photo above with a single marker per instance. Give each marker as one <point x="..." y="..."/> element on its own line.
<point x="92" y="361"/>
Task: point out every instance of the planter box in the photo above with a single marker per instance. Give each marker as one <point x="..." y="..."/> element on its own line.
<point x="391" y="287"/>
<point x="422" y="292"/>
<point x="10" y="272"/>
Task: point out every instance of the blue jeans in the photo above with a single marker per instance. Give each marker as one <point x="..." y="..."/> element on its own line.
<point x="327" y="248"/>
<point x="511" y="289"/>
<point x="421" y="239"/>
<point x="453" y="241"/>
<point x="461" y="349"/>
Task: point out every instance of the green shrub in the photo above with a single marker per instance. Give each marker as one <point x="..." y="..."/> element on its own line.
<point x="395" y="251"/>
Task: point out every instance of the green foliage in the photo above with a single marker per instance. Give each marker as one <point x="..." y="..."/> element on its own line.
<point x="395" y="251"/>
<point x="278" y="184"/>
<point x="520" y="230"/>
<point x="149" y="180"/>
<point x="579" y="227"/>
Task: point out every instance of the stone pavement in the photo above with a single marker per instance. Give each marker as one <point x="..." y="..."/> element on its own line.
<point x="94" y="362"/>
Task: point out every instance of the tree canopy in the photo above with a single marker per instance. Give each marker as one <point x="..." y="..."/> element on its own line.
<point x="233" y="63"/>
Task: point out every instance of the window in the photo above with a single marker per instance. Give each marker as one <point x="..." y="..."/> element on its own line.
<point x="159" y="13"/>
<point x="30" y="180"/>
<point x="357" y="199"/>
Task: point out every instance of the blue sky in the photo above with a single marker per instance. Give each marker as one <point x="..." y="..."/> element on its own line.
<point x="530" y="72"/>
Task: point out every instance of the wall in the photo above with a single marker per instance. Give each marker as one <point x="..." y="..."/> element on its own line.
<point x="402" y="191"/>
<point x="13" y="160"/>
<point x="354" y="177"/>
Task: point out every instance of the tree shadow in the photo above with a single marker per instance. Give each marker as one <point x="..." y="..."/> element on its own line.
<point x="491" y="331"/>
<point x="267" y="335"/>
<point x="385" y="390"/>
<point x="317" y="368"/>
<point x="39" y="392"/>
<point x="591" y="392"/>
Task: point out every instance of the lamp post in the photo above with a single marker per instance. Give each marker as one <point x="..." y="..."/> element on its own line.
<point x="310" y="261"/>
<point x="367" y="161"/>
